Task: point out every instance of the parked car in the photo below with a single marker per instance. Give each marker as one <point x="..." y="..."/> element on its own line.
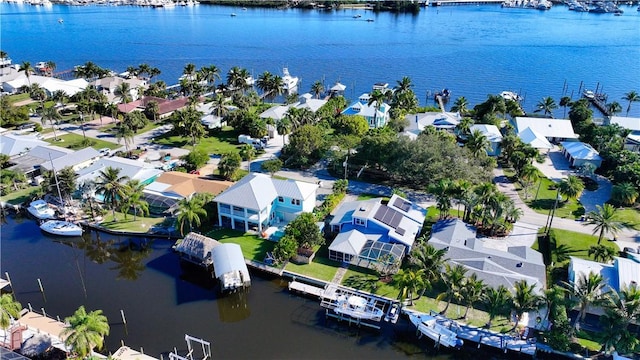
<point x="105" y="151"/>
<point x="27" y="125"/>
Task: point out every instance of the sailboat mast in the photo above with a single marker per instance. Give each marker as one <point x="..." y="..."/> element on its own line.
<point x="55" y="176"/>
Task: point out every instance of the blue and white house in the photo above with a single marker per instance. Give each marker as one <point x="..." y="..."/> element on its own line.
<point x="258" y="201"/>
<point x="369" y="229"/>
<point x="375" y="117"/>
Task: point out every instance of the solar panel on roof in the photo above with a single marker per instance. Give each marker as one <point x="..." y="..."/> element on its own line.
<point x="401" y="204"/>
<point x="388" y="216"/>
<point x="400" y="231"/>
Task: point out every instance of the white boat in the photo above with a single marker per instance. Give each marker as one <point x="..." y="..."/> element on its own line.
<point x="589" y="94"/>
<point x="393" y="313"/>
<point x="61" y="228"/>
<point x="41" y="210"/>
<point x="357" y="307"/>
<point x="510" y="95"/>
<point x="289" y="82"/>
<point x="429" y="325"/>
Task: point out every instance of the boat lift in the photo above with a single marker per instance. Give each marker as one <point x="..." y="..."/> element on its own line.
<point x="206" y="349"/>
<point x="333" y="294"/>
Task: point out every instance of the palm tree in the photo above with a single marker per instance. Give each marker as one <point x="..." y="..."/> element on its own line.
<point x="109" y="185"/>
<point x="190" y="211"/>
<point x="247" y="152"/>
<point x="123" y="91"/>
<point x="472" y="291"/>
<point x="604" y="220"/>
<point x="220" y="104"/>
<point x="28" y="70"/>
<point x="210" y="74"/>
<point x="496" y="302"/>
<point x="283" y="127"/>
<point x="528" y="175"/>
<point x="601" y="253"/>
<point x="477" y="143"/>
<point x="264" y="82"/>
<point x="624" y="193"/>
<point x="442" y="190"/>
<point x="428" y="258"/>
<point x="125" y="133"/>
<point x="464" y="127"/>
<point x="460" y="105"/>
<point x="571" y="187"/>
<point x="152" y="110"/>
<point x="189" y="71"/>
<point x="547" y="104"/>
<point x="625" y="303"/>
<point x="614" y="334"/>
<point x="376" y="98"/>
<point x="9" y="308"/>
<point x="237" y="78"/>
<point x="452" y="278"/>
<point x="614" y="108"/>
<point x="86" y="331"/>
<point x="587" y="290"/>
<point x="564" y="102"/>
<point x="317" y="88"/>
<point x="410" y="282"/>
<point x="51" y="67"/>
<point x="404" y="85"/>
<point x="525" y="299"/>
<point x="52" y="115"/>
<point x="134" y="199"/>
<point x="631" y="97"/>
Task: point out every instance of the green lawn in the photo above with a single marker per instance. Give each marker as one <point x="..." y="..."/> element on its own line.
<point x="141" y="224"/>
<point x="150" y="126"/>
<point x="253" y="248"/>
<point x="629" y="217"/>
<point x="589" y="340"/>
<point x="75" y="141"/>
<point x="372" y="196"/>
<point x="546" y="197"/>
<point x="320" y="268"/>
<point x="577" y="242"/>
<point x="217" y="142"/>
<point x="20" y="196"/>
<point x="19" y="97"/>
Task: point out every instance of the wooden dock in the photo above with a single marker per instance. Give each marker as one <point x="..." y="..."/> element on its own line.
<point x="42" y="324"/>
<point x="306" y="289"/>
<point x="127" y="353"/>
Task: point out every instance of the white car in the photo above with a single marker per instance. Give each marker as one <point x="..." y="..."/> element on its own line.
<point x="104" y="151"/>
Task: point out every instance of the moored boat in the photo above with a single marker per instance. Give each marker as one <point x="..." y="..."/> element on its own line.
<point x="357" y="307"/>
<point x="289" y="82"/>
<point x="41" y="210"/>
<point x="429" y="325"/>
<point x="61" y="228"/>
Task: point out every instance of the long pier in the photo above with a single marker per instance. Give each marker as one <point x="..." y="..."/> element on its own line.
<point x="462" y="2"/>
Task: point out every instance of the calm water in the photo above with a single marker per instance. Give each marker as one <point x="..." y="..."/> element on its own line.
<point x="162" y="302"/>
<point x="473" y="50"/>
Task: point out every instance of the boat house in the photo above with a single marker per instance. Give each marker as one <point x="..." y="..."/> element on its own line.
<point x="196" y="249"/>
<point x="229" y="267"/>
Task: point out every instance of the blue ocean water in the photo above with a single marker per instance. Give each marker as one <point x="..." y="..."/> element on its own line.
<point x="472" y="50"/>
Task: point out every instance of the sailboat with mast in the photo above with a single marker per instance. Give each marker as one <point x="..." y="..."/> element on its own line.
<point x="60" y="227"/>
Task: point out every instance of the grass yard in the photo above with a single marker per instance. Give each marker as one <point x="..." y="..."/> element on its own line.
<point x="253" y="248"/>
<point x="111" y="128"/>
<point x="629" y="217"/>
<point x="20" y="196"/>
<point x="141" y="224"/>
<point x="19" y="97"/>
<point x="217" y="142"/>
<point x="589" y="340"/>
<point x="578" y="243"/>
<point x="75" y="141"/>
<point x="320" y="268"/>
<point x="372" y="196"/>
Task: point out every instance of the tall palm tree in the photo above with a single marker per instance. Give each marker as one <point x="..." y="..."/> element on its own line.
<point x="220" y="104"/>
<point x="283" y="127"/>
<point x="547" y="105"/>
<point x="472" y="291"/>
<point x="564" y="102"/>
<point x="110" y="185"/>
<point x="9" y="308"/>
<point x="571" y="187"/>
<point x="52" y="115"/>
<point x="477" y="143"/>
<point x="51" y="67"/>
<point x="210" y="74"/>
<point x="428" y="258"/>
<point x="452" y="278"/>
<point x="443" y="191"/>
<point x="410" y="282"/>
<point x="247" y="152"/>
<point x="625" y="303"/>
<point x="134" y="199"/>
<point x="614" y="108"/>
<point x="624" y="193"/>
<point x="404" y="85"/>
<point x="525" y="299"/>
<point x="601" y="253"/>
<point x="28" y="70"/>
<point x="237" y="79"/>
<point x="605" y="221"/>
<point x="264" y="82"/>
<point x="124" y="133"/>
<point x="461" y="105"/>
<point x="86" y="331"/>
<point x="376" y="98"/>
<point x="496" y="302"/>
<point x="190" y="211"/>
<point x="317" y="88"/>
<point x="464" y="127"/>
<point x="528" y="175"/>
<point x="123" y="91"/>
<point x="614" y="334"/>
<point x="587" y="290"/>
<point x="189" y="71"/>
<point x="631" y="97"/>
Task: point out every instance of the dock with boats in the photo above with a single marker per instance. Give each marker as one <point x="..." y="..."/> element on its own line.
<point x="598" y="100"/>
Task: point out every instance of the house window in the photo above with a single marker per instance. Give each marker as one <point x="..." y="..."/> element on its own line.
<point x="295" y="202"/>
<point x="358" y="221"/>
<point x="280" y="199"/>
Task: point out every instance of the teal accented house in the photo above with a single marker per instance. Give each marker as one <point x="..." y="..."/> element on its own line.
<point x="376" y="117"/>
<point x="258" y="201"/>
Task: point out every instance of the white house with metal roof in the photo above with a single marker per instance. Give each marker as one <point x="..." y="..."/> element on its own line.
<point x="628" y="123"/>
<point x="493" y="135"/>
<point x="579" y="153"/>
<point x="534" y="139"/>
<point x="132" y="169"/>
<point x="554" y="130"/>
<point x="440" y="120"/>
<point x="493" y="266"/>
<point x="76" y="160"/>
<point x="13" y="145"/>
<point x="376" y="117"/>
<point x="369" y="228"/>
<point x="49" y="84"/>
<point x="258" y="201"/>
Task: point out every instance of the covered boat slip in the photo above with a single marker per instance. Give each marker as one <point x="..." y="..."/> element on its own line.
<point x="229" y="266"/>
<point x="352" y="303"/>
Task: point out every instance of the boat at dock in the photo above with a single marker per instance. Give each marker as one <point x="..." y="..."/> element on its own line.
<point x="61" y="228"/>
<point x="510" y="95"/>
<point x="289" y="82"/>
<point x="435" y="329"/>
<point x="393" y="313"/>
<point x="350" y="304"/>
<point x="357" y="307"/>
<point x="41" y="210"/>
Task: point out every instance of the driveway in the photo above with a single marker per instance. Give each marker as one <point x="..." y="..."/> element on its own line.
<point x="589" y="199"/>
<point x="555" y="166"/>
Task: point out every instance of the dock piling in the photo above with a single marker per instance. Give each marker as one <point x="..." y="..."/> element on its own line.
<point x="43" y="312"/>
<point x="42" y="290"/>
<point x="124" y="320"/>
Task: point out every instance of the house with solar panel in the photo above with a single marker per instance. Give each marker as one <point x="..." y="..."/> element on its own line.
<point x="370" y="230"/>
<point x="258" y="202"/>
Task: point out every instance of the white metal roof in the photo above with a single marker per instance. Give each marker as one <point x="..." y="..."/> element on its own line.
<point x="12" y="145"/>
<point x="294" y="189"/>
<point x="490" y="131"/>
<point x="350" y="242"/>
<point x="581" y="151"/>
<point x="72" y="159"/>
<point x="228" y="258"/>
<point x="549" y="128"/>
<point x="630" y="123"/>
<point x="535" y="139"/>
<point x="254" y="191"/>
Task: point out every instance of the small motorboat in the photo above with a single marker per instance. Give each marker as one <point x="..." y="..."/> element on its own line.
<point x="233" y="14"/>
<point x="393" y="313"/>
<point x="431" y="327"/>
<point x="358" y="307"/>
<point x="40" y="209"/>
<point x="61" y="228"/>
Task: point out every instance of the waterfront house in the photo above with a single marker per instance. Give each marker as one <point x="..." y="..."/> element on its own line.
<point x="132" y="169"/>
<point x="370" y="228"/>
<point x="165" y="106"/>
<point x="75" y="159"/>
<point x="49" y="84"/>
<point x="172" y="186"/>
<point x="534" y="139"/>
<point x="554" y="130"/>
<point x="579" y="153"/>
<point x="493" y="135"/>
<point x="446" y="121"/>
<point x="632" y="141"/>
<point x="278" y="112"/>
<point x="30" y="162"/>
<point x="375" y="117"/>
<point x="108" y="85"/>
<point x="494" y="267"/>
<point x="258" y="201"/>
